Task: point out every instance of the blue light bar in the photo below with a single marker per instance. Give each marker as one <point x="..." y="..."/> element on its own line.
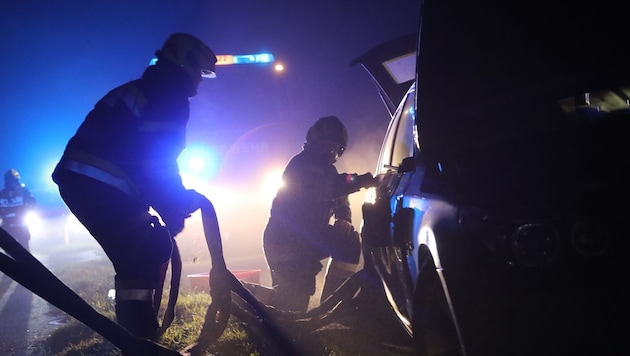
<point x="253" y="58"/>
<point x="227" y="59"/>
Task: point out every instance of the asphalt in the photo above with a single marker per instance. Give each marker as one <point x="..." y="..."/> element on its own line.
<point x="26" y="319"/>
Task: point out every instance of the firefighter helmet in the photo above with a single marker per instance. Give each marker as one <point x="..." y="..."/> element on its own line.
<point x="11" y="178"/>
<point x="330" y="128"/>
<point x="190" y="53"/>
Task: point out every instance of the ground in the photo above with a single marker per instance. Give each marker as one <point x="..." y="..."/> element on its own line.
<point x="358" y="327"/>
<point x="26" y="318"/>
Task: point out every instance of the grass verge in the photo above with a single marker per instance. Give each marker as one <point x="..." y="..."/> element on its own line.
<point x="91" y="280"/>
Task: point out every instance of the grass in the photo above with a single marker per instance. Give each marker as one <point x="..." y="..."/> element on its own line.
<point x="91" y="281"/>
<point x="93" y="277"/>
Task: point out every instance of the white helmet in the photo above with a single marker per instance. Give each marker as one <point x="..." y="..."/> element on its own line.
<point x="190" y="53"/>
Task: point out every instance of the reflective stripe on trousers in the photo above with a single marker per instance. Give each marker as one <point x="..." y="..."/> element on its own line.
<point x="135" y="294"/>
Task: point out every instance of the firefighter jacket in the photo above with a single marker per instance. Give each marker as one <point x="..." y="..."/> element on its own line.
<point x="15" y="203"/>
<point x="133" y="136"/>
<point x="312" y="193"/>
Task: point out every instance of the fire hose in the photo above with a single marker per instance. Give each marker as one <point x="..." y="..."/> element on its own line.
<point x="25" y="269"/>
<point x="222" y="283"/>
<point x="19" y="264"/>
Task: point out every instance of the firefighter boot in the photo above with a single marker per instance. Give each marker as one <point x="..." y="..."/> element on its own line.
<point x="338" y="272"/>
<point x="134" y="312"/>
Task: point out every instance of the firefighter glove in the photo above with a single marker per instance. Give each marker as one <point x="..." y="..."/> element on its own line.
<point x="366" y="180"/>
<point x="181" y="209"/>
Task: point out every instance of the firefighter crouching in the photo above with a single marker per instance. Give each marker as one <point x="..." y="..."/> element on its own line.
<point x="16" y="201"/>
<point x="123" y="160"/>
<point x="298" y="234"/>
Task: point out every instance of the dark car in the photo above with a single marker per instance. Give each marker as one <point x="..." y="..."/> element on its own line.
<point x="499" y="226"/>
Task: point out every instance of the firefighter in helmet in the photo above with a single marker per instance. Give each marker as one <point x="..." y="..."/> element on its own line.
<point x="16" y="201"/>
<point x="298" y="234"/>
<point x="122" y="160"/>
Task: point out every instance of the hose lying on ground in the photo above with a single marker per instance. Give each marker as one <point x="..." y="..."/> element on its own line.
<point x="280" y="331"/>
<point x="222" y="283"/>
<point x="25" y="269"/>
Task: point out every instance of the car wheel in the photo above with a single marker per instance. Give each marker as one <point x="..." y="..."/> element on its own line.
<point x="434" y="331"/>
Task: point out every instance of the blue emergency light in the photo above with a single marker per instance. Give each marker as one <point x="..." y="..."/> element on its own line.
<point x="228" y="59"/>
<point x="253" y="58"/>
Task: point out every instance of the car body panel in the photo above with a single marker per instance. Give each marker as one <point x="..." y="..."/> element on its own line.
<point x="392" y="67"/>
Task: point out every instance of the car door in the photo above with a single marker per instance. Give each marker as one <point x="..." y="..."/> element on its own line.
<point x="387" y="253"/>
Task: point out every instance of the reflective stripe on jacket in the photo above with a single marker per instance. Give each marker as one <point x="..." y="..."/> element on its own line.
<point x="98" y="169"/>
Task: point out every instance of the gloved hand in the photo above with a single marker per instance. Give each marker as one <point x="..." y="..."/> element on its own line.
<point x="366" y="180"/>
<point x="191" y="201"/>
<point x="182" y="208"/>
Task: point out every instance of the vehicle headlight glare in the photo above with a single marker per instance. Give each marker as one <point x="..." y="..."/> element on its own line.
<point x="33" y="221"/>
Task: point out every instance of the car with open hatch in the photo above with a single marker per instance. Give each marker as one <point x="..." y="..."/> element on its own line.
<point x="499" y="223"/>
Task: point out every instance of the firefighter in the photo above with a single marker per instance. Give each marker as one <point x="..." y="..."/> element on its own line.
<point x="299" y="233"/>
<point x="122" y="160"/>
<point x="16" y="201"/>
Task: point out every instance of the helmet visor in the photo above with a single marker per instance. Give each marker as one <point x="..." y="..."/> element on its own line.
<point x="208" y="73"/>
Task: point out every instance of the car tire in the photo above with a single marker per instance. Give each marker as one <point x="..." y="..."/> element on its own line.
<point x="433" y="327"/>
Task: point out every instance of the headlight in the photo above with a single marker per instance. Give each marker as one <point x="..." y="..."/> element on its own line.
<point x="535" y="245"/>
<point x="589" y="238"/>
<point x="530" y="244"/>
<point x="33" y="221"/>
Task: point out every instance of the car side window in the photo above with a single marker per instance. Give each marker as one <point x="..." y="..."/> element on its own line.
<point x="399" y="138"/>
<point x="403" y="140"/>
